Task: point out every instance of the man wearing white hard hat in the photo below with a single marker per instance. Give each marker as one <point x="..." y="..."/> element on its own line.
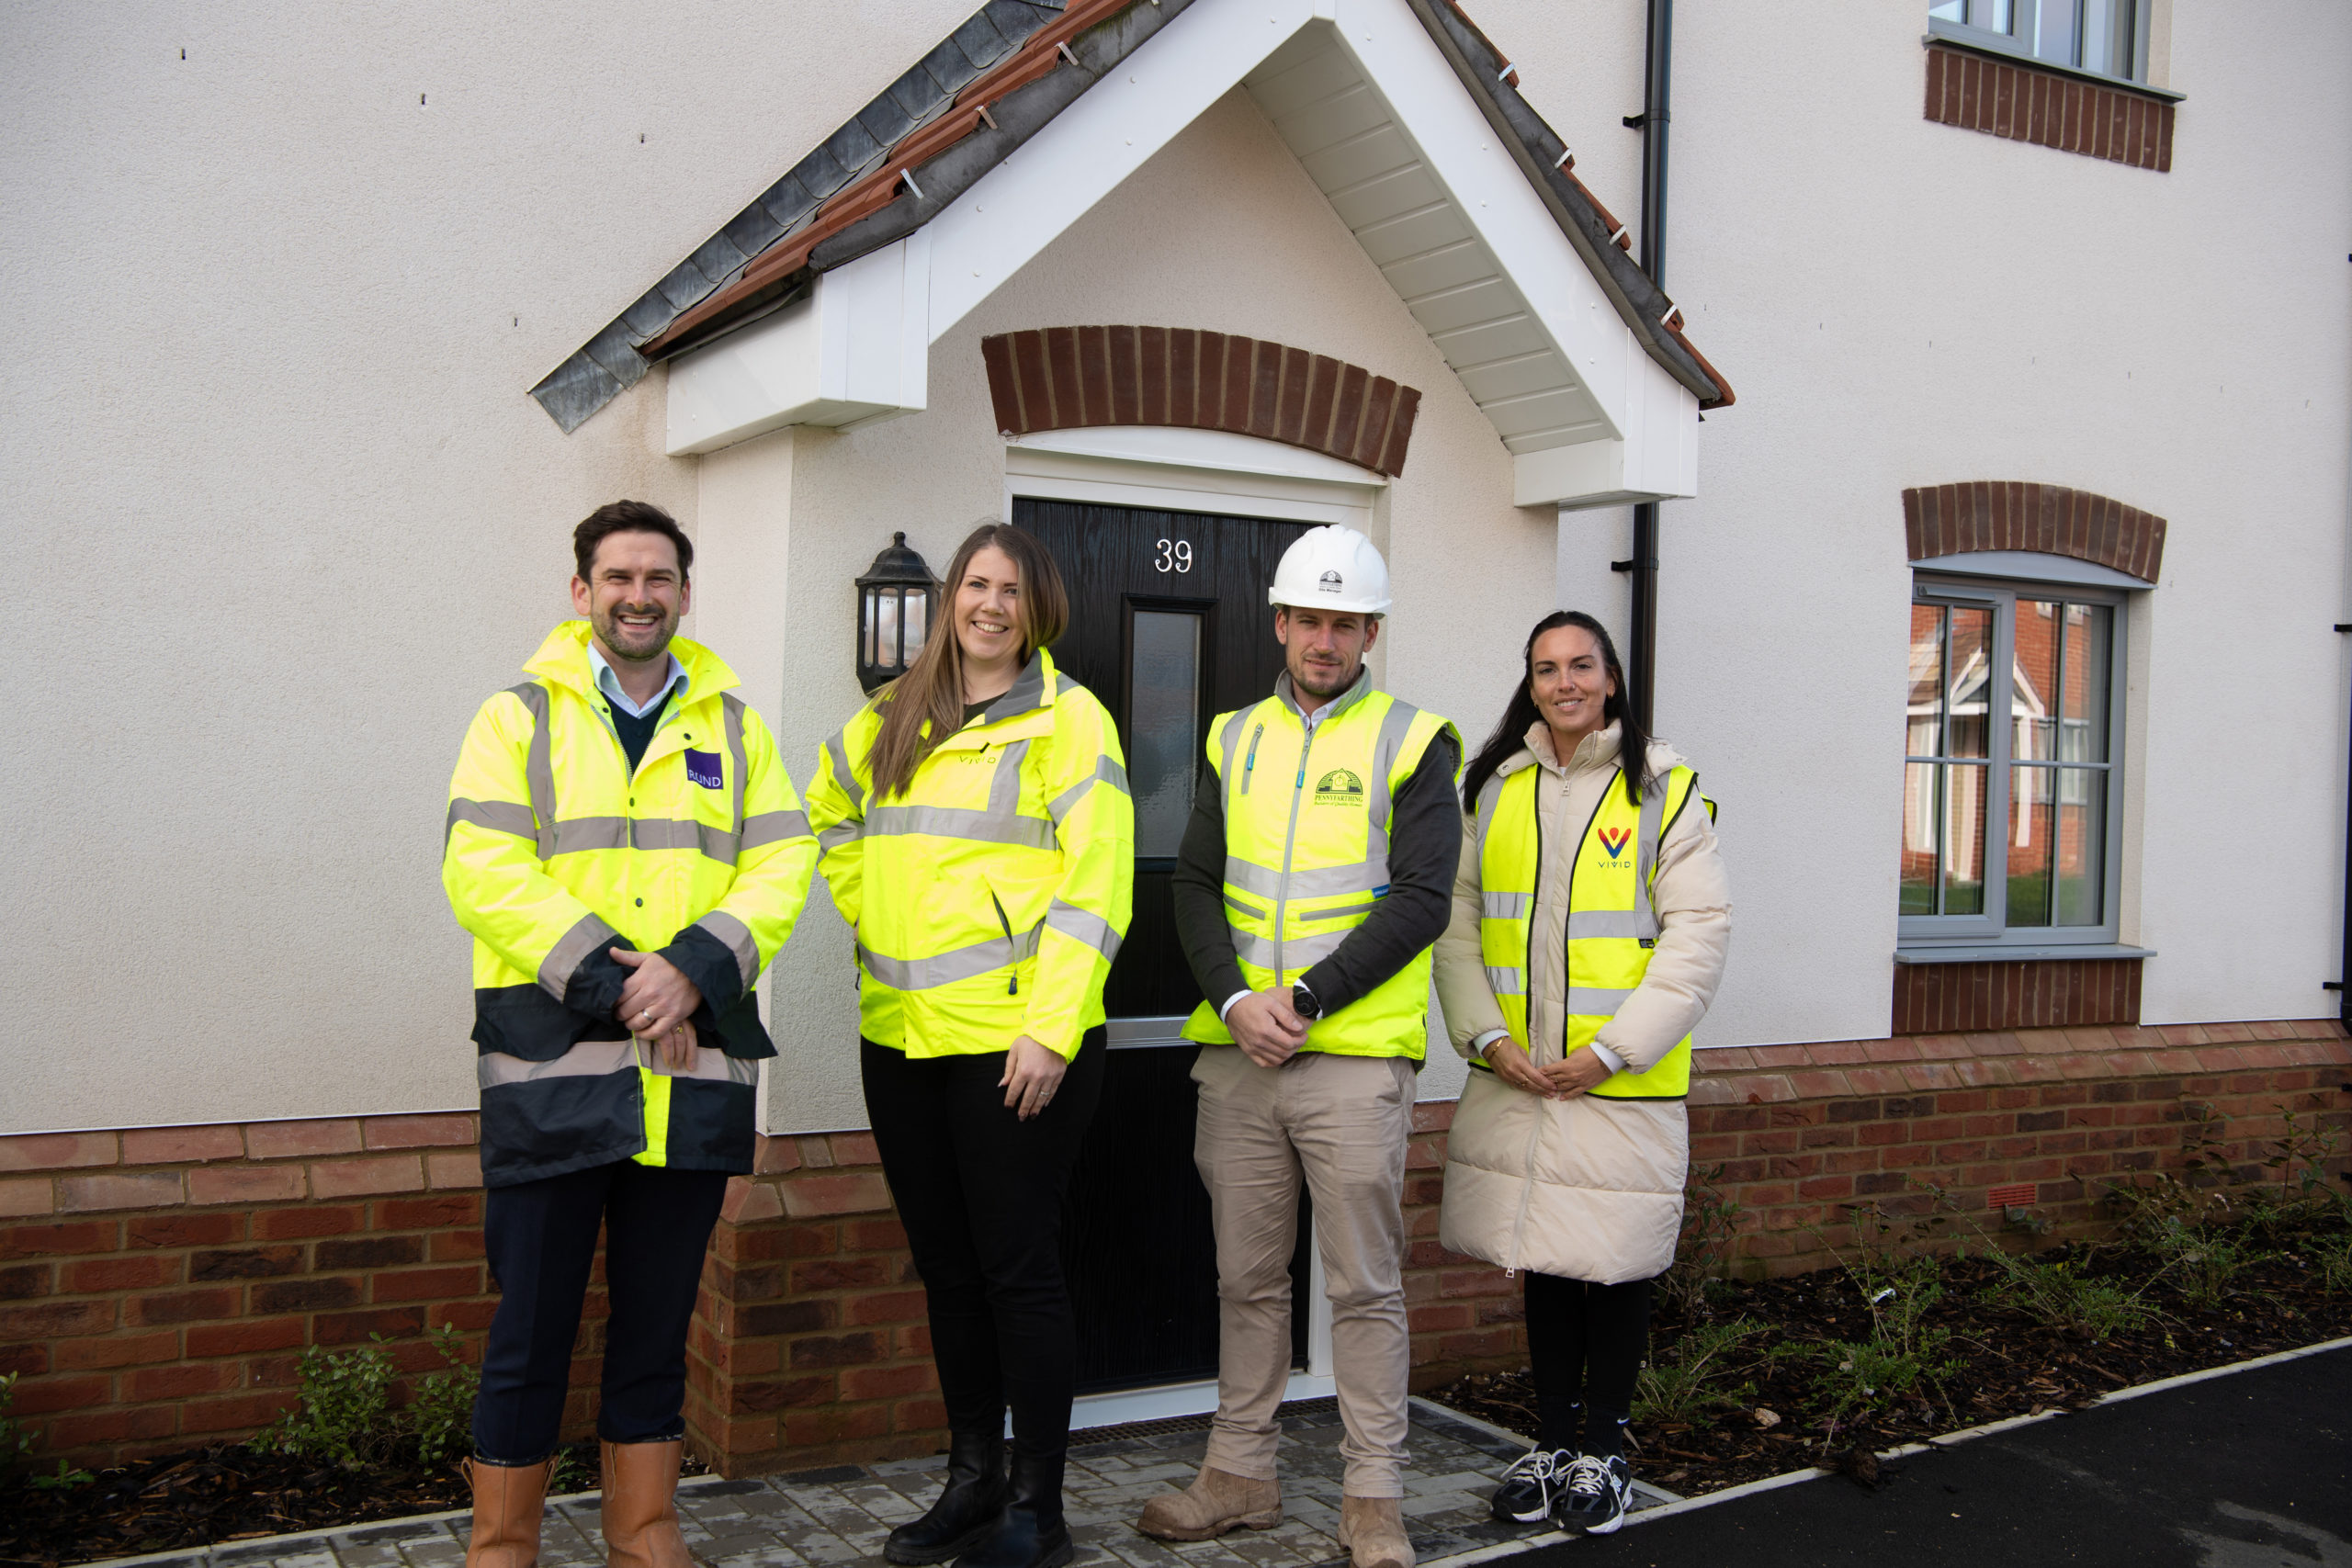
<point x="1311" y="883"/>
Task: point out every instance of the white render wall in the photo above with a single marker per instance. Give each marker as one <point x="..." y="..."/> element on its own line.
<point x="283" y="516"/>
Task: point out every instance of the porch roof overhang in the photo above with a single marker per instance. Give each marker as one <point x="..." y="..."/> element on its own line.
<point x="1399" y="110"/>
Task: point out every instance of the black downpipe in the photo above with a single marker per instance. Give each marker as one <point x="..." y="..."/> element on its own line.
<point x="1653" y="121"/>
<point x="2342" y="986"/>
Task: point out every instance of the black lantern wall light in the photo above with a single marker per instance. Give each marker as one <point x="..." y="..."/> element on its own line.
<point x="895" y="601"/>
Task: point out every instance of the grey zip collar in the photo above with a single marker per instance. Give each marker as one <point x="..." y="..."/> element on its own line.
<point x="1357" y="691"/>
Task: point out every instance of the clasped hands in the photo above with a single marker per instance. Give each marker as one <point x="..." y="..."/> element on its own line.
<point x="658" y="1005"/>
<point x="1564" y="1079"/>
<point x="1266" y="1027"/>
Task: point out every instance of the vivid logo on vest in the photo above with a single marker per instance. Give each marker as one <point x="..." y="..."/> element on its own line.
<point x="701" y="768"/>
<point x="1614" y="840"/>
<point x="1339" y="787"/>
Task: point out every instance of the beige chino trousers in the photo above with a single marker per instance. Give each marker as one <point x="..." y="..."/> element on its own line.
<point x="1338" y="1124"/>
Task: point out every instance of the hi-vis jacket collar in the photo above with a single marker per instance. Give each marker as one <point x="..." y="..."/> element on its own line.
<point x="563" y="658"/>
<point x="1357" y="691"/>
<point x="1032" y="691"/>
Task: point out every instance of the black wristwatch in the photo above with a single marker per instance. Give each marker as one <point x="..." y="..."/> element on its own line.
<point x="1303" y="1002"/>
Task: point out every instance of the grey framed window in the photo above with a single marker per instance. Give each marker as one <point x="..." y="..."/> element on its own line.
<point x="2012" y="757"/>
<point x="2105" y="38"/>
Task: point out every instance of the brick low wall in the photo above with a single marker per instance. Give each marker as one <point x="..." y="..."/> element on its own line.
<point x="156" y="1286"/>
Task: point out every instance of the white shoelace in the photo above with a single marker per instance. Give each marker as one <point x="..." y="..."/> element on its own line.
<point x="1542" y="1466"/>
<point x="1589" y="1477"/>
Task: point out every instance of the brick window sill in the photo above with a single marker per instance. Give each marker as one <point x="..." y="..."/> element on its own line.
<point x="2021" y="99"/>
<point x="2083" y="987"/>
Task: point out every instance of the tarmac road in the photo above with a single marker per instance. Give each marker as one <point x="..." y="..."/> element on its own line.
<point x="2249" y="1471"/>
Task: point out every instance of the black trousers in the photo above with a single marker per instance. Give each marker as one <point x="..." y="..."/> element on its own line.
<point x="1585" y="1343"/>
<point x="980" y="1193"/>
<point x="541" y="1237"/>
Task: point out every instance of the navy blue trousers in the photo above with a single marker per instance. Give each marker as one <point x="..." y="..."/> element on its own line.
<point x="541" y="1237"/>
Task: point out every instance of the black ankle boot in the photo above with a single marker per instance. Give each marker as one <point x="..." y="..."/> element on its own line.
<point x="1031" y="1533"/>
<point x="965" y="1510"/>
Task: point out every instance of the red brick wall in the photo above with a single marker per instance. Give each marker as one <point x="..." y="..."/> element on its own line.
<point x="157" y="1286"/>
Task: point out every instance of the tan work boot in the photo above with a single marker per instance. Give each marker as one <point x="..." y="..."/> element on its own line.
<point x="508" y="1499"/>
<point x="1216" y="1501"/>
<point x="1373" y="1529"/>
<point x="640" y="1506"/>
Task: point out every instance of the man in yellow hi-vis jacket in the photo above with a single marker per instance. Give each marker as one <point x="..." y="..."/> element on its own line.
<point x="1316" y="871"/>
<point x="627" y="852"/>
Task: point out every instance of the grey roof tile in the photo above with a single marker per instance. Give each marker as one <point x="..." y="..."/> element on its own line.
<point x="576" y="389"/>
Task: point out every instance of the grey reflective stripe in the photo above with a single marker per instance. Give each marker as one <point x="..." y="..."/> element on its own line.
<point x="1488" y="798"/>
<point x="946" y="968"/>
<point x="576" y="835"/>
<point x="738" y="938"/>
<point x="1297" y="952"/>
<point x="732" y="710"/>
<point x="1505" y="906"/>
<point x="1325" y="881"/>
<point x="1340" y="912"/>
<point x="773" y="827"/>
<point x="1596" y="1001"/>
<point x="960" y="822"/>
<point x="839" y="835"/>
<point x="1106" y="770"/>
<point x="597" y="1058"/>
<point x="1084" y="925"/>
<point x="1377" y="804"/>
<point x="570" y="950"/>
<point x="1238" y="906"/>
<point x="1505" y="982"/>
<point x="499" y="816"/>
<point x="838" y="752"/>
<point x="538" y="766"/>
<point x="1646" y="858"/>
<point x="1231" y="739"/>
<point x="1004" y="789"/>
<point x="1627" y="923"/>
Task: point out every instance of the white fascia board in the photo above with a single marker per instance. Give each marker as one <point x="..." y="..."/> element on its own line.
<point x="1465" y="156"/>
<point x="1177" y="446"/>
<point x="1020" y="207"/>
<point x="855" y="350"/>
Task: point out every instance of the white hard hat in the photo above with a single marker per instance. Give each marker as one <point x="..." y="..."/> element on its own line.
<point x="1332" y="568"/>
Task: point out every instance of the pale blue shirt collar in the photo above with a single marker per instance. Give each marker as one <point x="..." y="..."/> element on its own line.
<point x="610" y="684"/>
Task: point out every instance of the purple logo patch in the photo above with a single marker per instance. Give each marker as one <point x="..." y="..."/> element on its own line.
<point x="701" y="768"/>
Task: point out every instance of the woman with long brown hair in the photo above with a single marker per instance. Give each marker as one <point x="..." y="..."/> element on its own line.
<point x="974" y="823"/>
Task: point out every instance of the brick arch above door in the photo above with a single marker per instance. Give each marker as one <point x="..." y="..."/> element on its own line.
<point x="1940" y="520"/>
<point x="1063" y="377"/>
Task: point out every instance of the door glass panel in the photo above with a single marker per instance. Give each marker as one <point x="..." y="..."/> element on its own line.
<point x="1164" y="724"/>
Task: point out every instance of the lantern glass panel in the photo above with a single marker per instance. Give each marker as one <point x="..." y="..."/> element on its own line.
<point x="866" y="628"/>
<point x="918" y="614"/>
<point x="886" y="622"/>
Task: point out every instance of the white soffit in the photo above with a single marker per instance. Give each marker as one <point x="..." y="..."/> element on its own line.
<point x="1360" y="93"/>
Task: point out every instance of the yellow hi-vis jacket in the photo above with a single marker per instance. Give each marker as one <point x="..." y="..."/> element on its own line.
<point x="1611" y="927"/>
<point x="990" y="896"/>
<point x="556" y="855"/>
<point x="1306" y="823"/>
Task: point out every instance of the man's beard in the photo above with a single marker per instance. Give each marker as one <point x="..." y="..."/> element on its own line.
<point x="1341" y="682"/>
<point x="620" y="640"/>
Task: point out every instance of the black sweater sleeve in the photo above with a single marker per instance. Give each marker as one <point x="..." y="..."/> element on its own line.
<point x="1424" y="846"/>
<point x="1424" y="843"/>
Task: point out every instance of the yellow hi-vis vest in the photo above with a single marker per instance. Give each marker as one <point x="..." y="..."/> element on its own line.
<point x="1307" y="824"/>
<point x="1612" y="927"/>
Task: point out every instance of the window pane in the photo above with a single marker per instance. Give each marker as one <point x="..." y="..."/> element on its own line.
<point x="1923" y="728"/>
<point x="2081" y="843"/>
<point x="1922" y="816"/>
<point x="2041" y="630"/>
<point x="2053" y="31"/>
<point x="2033" y="793"/>
<point x="1163" y="710"/>
<point x="2089" y="638"/>
<point x="1943" y="840"/>
<point x="1964" y="840"/>
<point x="1968" y="661"/>
<point x="1951" y="10"/>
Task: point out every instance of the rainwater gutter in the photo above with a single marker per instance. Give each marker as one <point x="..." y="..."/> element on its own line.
<point x="1652" y="122"/>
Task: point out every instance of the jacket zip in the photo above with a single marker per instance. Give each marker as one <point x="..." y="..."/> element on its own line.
<point x="1250" y="762"/>
<point x="1289" y="841"/>
<point x="1013" y="982"/>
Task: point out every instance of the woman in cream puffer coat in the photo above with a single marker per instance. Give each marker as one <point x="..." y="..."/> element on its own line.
<point x="1581" y="1192"/>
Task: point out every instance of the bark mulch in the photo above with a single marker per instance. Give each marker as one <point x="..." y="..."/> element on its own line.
<point x="206" y="1496"/>
<point x="2011" y="1364"/>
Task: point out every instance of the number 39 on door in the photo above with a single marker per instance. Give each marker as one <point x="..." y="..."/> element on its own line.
<point x="1174" y="555"/>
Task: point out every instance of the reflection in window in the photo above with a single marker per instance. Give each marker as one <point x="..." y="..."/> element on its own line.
<point x="1164" y="723"/>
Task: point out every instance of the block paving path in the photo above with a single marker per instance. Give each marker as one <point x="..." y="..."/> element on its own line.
<point x="823" y="1518"/>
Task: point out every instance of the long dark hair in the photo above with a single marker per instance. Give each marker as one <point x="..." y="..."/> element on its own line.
<point x="933" y="688"/>
<point x="1632" y="740"/>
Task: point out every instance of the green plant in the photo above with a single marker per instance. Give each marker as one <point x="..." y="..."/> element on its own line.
<point x="2207" y="1262"/>
<point x="1904" y="1356"/>
<point x="1691" y="1389"/>
<point x="343" y="1415"/>
<point x="440" y="1416"/>
<point x="14" y="1442"/>
<point x="566" y="1474"/>
<point x="2334" y="1260"/>
<point x="65" y="1479"/>
<point x="1709" y="1220"/>
<point x="2059" y="1294"/>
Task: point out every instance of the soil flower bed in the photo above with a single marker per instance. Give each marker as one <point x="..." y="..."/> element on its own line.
<point x="1770" y="1402"/>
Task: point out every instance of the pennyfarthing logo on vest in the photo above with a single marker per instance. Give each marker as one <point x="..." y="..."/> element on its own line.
<point x="1340" y="787"/>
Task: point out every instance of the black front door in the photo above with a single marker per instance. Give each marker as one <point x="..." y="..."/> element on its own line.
<point x="1168" y="627"/>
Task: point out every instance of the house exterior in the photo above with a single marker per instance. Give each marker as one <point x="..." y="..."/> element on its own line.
<point x="2003" y="377"/>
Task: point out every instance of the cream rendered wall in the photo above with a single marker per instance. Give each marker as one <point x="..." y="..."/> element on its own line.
<point x="1903" y="303"/>
<point x="279" y="514"/>
<point x="1221" y="230"/>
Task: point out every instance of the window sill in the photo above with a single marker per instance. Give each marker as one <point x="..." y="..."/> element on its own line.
<point x="1942" y="32"/>
<point x="1994" y="953"/>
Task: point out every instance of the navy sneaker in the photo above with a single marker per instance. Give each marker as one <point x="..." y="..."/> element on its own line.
<point x="1533" y="1485"/>
<point x="1597" y="1495"/>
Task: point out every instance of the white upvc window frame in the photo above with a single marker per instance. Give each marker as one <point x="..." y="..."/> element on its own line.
<point x="1981" y="28"/>
<point x="1988" y="934"/>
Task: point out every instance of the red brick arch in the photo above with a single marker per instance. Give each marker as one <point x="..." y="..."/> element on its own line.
<point x="2011" y="515"/>
<point x="1059" y="377"/>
